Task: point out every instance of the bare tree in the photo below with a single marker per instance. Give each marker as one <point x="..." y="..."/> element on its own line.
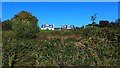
<point x="93" y="19"/>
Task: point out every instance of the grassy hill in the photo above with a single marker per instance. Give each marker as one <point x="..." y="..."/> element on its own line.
<point x="83" y="46"/>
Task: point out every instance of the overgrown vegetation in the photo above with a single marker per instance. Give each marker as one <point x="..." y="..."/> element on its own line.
<point x="81" y="46"/>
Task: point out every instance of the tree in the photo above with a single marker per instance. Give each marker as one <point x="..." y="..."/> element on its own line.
<point x="103" y="23"/>
<point x="7" y="25"/>
<point x="24" y="25"/>
<point x="93" y="19"/>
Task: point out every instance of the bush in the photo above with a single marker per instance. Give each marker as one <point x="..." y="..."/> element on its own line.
<point x="24" y="26"/>
<point x="24" y="30"/>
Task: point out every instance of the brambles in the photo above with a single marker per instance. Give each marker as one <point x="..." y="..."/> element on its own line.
<point x="94" y="48"/>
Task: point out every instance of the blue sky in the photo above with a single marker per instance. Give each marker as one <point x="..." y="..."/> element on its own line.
<point x="58" y="13"/>
<point x="0" y="8"/>
<point x="60" y="0"/>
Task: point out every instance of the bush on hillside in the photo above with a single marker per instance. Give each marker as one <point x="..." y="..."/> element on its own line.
<point x="24" y="25"/>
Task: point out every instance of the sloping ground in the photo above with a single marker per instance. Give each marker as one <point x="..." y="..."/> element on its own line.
<point x="57" y="49"/>
<point x="1" y="55"/>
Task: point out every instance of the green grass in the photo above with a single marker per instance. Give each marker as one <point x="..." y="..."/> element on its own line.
<point x="46" y="31"/>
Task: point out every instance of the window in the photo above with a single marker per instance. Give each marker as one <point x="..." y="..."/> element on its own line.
<point x="72" y="26"/>
<point x="51" y="26"/>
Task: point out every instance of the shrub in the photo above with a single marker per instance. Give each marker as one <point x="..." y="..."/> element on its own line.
<point x="24" y="25"/>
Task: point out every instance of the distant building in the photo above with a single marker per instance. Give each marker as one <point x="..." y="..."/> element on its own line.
<point x="67" y="27"/>
<point x="47" y="27"/>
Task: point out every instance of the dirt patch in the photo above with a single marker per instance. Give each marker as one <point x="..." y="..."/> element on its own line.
<point x="61" y="36"/>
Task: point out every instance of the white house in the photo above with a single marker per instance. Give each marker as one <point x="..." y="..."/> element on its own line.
<point x="47" y="27"/>
<point x="67" y="27"/>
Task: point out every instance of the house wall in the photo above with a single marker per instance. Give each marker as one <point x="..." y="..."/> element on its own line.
<point x="47" y="27"/>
